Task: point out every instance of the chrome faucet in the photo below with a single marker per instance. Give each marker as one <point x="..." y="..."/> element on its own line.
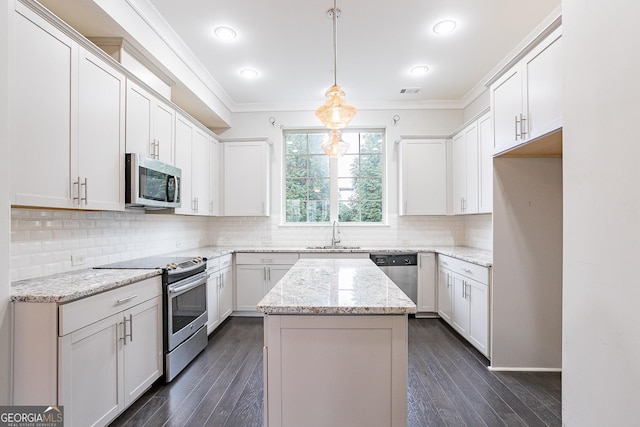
<point x="335" y="237"/>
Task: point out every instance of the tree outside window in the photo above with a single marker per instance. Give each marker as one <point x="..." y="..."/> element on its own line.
<point x="319" y="189"/>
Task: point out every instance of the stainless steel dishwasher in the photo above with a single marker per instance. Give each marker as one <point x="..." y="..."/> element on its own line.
<point x="402" y="269"/>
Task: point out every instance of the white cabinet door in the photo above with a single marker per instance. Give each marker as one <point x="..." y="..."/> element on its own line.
<point x="542" y="71"/>
<point x="246" y="178"/>
<point x="485" y="162"/>
<point x="478" y="297"/>
<point x="471" y="177"/>
<point x="250" y="286"/>
<point x="164" y="117"/>
<point x="150" y="125"/>
<point x="213" y="313"/>
<point x="101" y="145"/>
<point x="460" y="311"/>
<point x="459" y="172"/>
<point x="43" y="72"/>
<point x="139" y="125"/>
<point x="184" y="147"/>
<point x="225" y="297"/>
<point x="506" y="109"/>
<point x="427" y="282"/>
<point x="423" y="177"/>
<point x="445" y="301"/>
<point x="274" y="274"/>
<point x="143" y="363"/>
<point x="214" y="177"/>
<point x="91" y="382"/>
<point x="200" y="172"/>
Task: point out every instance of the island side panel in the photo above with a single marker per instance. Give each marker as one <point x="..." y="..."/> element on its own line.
<point x="336" y="370"/>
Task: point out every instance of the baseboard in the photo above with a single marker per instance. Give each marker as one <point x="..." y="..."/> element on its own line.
<point x="427" y="315"/>
<point x="247" y="314"/>
<point x="522" y="369"/>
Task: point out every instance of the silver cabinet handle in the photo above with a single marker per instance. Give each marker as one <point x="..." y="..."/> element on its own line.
<point x="157" y="149"/>
<point x="464" y="289"/>
<point x="86" y="197"/>
<point x="124" y="330"/>
<point x="152" y="149"/>
<point x="197" y="204"/>
<point x="269" y="273"/>
<point x="76" y="185"/>
<point x="264" y="273"/>
<point x="448" y="280"/>
<point x="523" y="126"/>
<point x="517" y="125"/>
<point x="129" y="298"/>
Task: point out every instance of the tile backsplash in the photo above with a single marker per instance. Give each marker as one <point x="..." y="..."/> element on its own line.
<point x="44" y="241"/>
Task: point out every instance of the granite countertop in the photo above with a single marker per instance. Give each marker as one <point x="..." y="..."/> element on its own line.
<point x="336" y="286"/>
<point x="72" y="285"/>
<point x="66" y="287"/>
<point x="477" y="256"/>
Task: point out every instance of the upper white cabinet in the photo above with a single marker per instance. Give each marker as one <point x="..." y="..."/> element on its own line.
<point x="214" y="177"/>
<point x="246" y="177"/>
<point x="67" y="121"/>
<point x="472" y="164"/>
<point x="485" y="164"/>
<point x="423" y="176"/>
<point x="150" y="124"/>
<point x="465" y="170"/>
<point x="200" y="169"/>
<point x="526" y="101"/>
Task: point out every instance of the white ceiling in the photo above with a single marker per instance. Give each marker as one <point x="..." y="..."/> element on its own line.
<point x="290" y="43"/>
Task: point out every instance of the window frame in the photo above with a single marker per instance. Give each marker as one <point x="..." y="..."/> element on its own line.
<point x="334" y="193"/>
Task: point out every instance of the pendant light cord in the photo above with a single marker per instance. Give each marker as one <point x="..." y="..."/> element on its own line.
<point x="335" y="43"/>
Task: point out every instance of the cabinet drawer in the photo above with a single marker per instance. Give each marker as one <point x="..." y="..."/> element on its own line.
<point x="267" y="258"/>
<point x="225" y="261"/>
<point x="213" y="264"/>
<point x="77" y="314"/>
<point x="464" y="268"/>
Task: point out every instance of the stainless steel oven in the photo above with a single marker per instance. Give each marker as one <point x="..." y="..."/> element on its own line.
<point x="186" y="319"/>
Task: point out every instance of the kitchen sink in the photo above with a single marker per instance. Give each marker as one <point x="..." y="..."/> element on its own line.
<point x="333" y="247"/>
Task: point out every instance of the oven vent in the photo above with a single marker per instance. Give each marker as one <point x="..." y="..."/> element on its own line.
<point x="410" y="90"/>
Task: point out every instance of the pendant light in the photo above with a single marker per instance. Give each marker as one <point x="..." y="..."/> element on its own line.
<point x="336" y="112"/>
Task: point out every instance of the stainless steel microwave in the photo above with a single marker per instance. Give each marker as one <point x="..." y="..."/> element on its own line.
<point x="151" y="184"/>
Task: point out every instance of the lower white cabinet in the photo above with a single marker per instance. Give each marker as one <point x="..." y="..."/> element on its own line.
<point x="463" y="299"/>
<point x="219" y="290"/>
<point x="256" y="274"/>
<point x="107" y="351"/>
<point x="426" y="283"/>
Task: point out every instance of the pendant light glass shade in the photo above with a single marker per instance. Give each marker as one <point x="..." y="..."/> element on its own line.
<point x="334" y="146"/>
<point x="336" y="112"/>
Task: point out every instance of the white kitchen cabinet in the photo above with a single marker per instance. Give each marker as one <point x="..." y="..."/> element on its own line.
<point x="67" y="121"/>
<point x="465" y="170"/>
<point x="150" y="124"/>
<point x="463" y="299"/>
<point x="214" y="177"/>
<point x="256" y="274"/>
<point x="485" y="164"/>
<point x="192" y="157"/>
<point x="426" y="283"/>
<point x="445" y="293"/>
<point x="219" y="290"/>
<point x="526" y="101"/>
<point x="246" y="177"/>
<point x="95" y="355"/>
<point x="423" y="176"/>
<point x="184" y="155"/>
<point x="200" y="169"/>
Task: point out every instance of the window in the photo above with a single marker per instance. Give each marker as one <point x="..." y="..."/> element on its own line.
<point x="320" y="189"/>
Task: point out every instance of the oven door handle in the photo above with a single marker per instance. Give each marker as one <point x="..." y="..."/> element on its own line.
<point x="188" y="284"/>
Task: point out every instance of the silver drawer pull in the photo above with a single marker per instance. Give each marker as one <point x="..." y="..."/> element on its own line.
<point x="466" y="270"/>
<point x="129" y="298"/>
<point x="444" y="262"/>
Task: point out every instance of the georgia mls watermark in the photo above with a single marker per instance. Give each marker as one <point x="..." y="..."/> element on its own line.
<point x="31" y="416"/>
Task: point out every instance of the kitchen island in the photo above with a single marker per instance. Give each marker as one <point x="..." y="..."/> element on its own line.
<point x="335" y="346"/>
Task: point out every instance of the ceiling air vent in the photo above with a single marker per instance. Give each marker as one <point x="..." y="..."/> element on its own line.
<point x="410" y="90"/>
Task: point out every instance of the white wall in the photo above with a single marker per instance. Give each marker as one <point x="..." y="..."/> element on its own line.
<point x="601" y="342"/>
<point x="527" y="264"/>
<point x="5" y="289"/>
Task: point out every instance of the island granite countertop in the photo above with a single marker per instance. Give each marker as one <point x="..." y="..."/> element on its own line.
<point x="335" y="286"/>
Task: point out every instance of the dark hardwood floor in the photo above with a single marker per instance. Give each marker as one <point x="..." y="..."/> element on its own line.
<point x="449" y="385"/>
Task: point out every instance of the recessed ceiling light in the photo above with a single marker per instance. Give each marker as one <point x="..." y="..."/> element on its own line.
<point x="444" y="27"/>
<point x="248" y="73"/>
<point x="419" y="70"/>
<point x="225" y="33"/>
